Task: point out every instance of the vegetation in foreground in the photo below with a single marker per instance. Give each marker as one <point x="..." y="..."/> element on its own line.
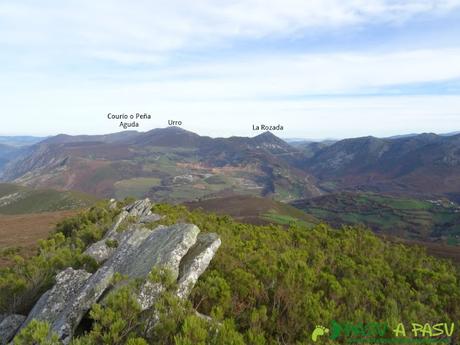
<point x="266" y="285"/>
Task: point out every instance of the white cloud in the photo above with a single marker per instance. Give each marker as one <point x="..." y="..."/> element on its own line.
<point x="60" y="74"/>
<point x="87" y="28"/>
<point x="259" y="77"/>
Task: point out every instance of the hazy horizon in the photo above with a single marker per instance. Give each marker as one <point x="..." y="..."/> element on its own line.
<point x="291" y="139"/>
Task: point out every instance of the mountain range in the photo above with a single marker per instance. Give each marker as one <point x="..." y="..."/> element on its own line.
<point x="421" y="165"/>
<point x="168" y="164"/>
<point x="177" y="165"/>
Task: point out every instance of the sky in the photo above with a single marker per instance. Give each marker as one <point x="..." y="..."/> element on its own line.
<point x="320" y="68"/>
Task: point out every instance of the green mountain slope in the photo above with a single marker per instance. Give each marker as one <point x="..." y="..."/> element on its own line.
<point x="254" y="210"/>
<point x="15" y="199"/>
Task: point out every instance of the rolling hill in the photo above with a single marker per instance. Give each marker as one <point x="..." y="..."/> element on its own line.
<point x="403" y="188"/>
<point x="254" y="210"/>
<point x="16" y="199"/>
<point x="420" y="165"/>
<point x="28" y="215"/>
<point x="428" y="220"/>
<point x="13" y="147"/>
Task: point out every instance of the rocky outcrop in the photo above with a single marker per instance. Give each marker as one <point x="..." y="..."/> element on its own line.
<point x="139" y="212"/>
<point x="195" y="262"/>
<point x="149" y="218"/>
<point x="139" y="208"/>
<point x="54" y="302"/>
<point x="102" y="250"/>
<point x="9" y="326"/>
<point x="180" y="248"/>
<point x="78" y="304"/>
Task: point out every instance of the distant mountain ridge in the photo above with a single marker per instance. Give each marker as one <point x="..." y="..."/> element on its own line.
<point x="423" y="164"/>
<point x="164" y="160"/>
<point x="6" y="154"/>
<point x="20" y="140"/>
<point x="105" y="138"/>
<point x="175" y="163"/>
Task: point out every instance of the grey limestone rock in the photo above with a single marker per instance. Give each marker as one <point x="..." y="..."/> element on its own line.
<point x="138" y="252"/>
<point x="113" y="230"/>
<point x="150" y="218"/>
<point x="196" y="261"/>
<point x="112" y="204"/>
<point x="178" y="248"/>
<point x="140" y="208"/>
<point x="79" y="304"/>
<point x="163" y="247"/>
<point x="100" y="251"/>
<point x="9" y="326"/>
<point x="52" y="303"/>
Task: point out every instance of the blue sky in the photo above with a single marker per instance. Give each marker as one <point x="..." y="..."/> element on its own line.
<point x="321" y="68"/>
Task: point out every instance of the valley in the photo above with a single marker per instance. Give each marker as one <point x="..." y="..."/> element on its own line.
<point x="406" y="187"/>
<point x="107" y="166"/>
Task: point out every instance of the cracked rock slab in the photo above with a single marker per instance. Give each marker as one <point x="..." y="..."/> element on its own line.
<point x="179" y="248"/>
<point x="150" y="218"/>
<point x="9" y="326"/>
<point x="138" y="252"/>
<point x="195" y="262"/>
<point x="139" y="208"/>
<point x="164" y="247"/>
<point x="55" y="301"/>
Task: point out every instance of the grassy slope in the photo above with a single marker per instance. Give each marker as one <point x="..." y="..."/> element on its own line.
<point x="21" y="232"/>
<point x="254" y="210"/>
<point x="135" y="187"/>
<point x="28" y="215"/>
<point x="16" y="199"/>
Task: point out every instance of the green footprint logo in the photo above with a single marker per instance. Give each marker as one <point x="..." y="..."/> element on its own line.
<point x="319" y="331"/>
